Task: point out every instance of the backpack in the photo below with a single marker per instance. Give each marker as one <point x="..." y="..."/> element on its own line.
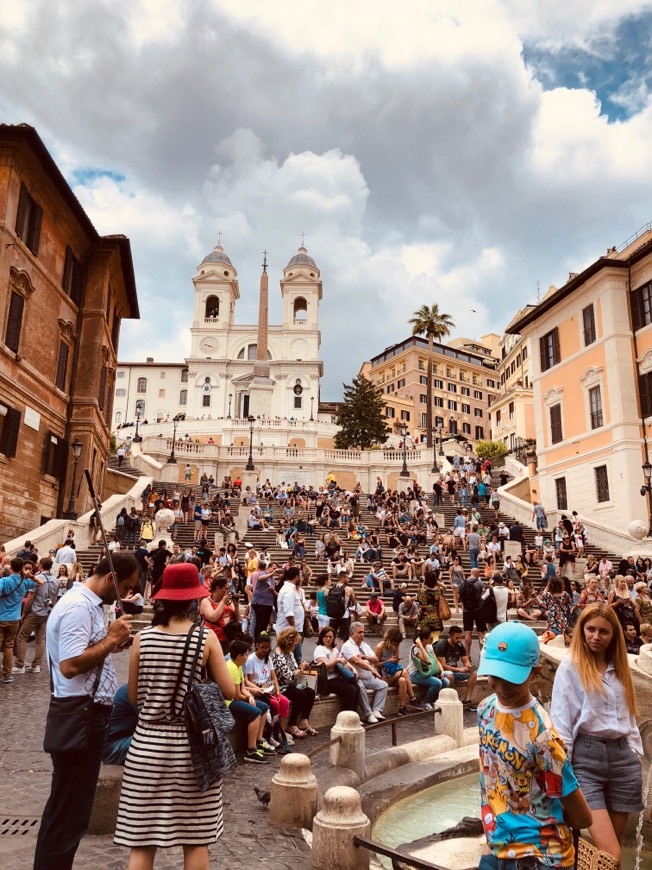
<point x="336" y="602"/>
<point x="470" y="596"/>
<point x="490" y="608"/>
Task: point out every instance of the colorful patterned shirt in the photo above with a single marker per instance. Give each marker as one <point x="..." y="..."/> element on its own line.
<point x="524" y="773"/>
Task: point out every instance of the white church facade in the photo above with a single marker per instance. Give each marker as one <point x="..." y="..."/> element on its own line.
<point x="234" y="371"/>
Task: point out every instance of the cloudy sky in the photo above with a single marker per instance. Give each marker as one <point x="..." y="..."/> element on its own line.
<point x="463" y="153"/>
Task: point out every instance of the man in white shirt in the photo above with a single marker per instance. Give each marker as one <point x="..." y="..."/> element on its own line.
<point x="361" y="656"/>
<point x="290" y="610"/>
<point x="604" y="570"/>
<point x="66" y="555"/>
<point x="79" y="648"/>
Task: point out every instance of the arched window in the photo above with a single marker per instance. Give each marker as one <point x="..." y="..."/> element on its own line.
<point x="142" y="385"/>
<point x="184" y="376"/>
<point x="118" y="418"/>
<point x="140" y="407"/>
<point x="183" y="397"/>
<point x="212" y="308"/>
<point x="300" y="309"/>
<point x="251" y="352"/>
<point x="160" y="416"/>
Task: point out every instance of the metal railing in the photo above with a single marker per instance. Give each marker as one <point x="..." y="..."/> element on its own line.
<point x="386" y="723"/>
<point x="398" y="858"/>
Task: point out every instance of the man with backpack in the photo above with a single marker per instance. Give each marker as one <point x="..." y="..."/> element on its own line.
<point x="340" y="597"/>
<point x="43" y="600"/>
<point x="471" y="592"/>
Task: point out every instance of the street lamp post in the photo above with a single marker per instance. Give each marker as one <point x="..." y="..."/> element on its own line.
<point x="172" y="460"/>
<point x="647" y="488"/>
<point x="70" y="513"/>
<point x="435" y="467"/>
<point x="312" y="408"/>
<point x="250" y="462"/>
<point x="404" y="470"/>
<point x="441" y="440"/>
<point x="228" y="416"/>
<point x="137" y="438"/>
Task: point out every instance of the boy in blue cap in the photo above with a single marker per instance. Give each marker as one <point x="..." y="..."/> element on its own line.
<point x="530" y="799"/>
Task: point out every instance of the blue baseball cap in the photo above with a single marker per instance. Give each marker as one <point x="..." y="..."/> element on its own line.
<point x="511" y="650"/>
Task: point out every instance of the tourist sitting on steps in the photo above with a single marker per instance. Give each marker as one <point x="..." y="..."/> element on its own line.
<point x="360" y="655"/>
<point x="425" y="669"/>
<point x="342" y="679"/>
<point x="247" y="710"/>
<point x="452" y="657"/>
<point x="393" y="672"/>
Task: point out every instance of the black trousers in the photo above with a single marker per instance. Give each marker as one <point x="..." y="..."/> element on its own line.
<point x="263" y="615"/>
<point x="346" y="691"/>
<point x="68" y="809"/>
<point x="301" y="701"/>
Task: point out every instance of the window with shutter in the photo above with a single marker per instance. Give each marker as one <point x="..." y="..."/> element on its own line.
<point x="588" y="320"/>
<point x="645" y="393"/>
<point x="549" y="349"/>
<point x="562" y="495"/>
<point x="9" y="429"/>
<point x="14" y="321"/>
<point x="28" y="220"/>
<point x="62" y="366"/>
<point x="73" y="277"/>
<point x="556" y="434"/>
<point x="54" y="455"/>
<point x="641" y="299"/>
<point x="102" y="389"/>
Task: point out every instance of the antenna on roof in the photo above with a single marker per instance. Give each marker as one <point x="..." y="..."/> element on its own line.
<point x="538" y="293"/>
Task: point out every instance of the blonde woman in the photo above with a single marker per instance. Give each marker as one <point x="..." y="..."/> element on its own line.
<point x="626" y="608"/>
<point x="594" y="709"/>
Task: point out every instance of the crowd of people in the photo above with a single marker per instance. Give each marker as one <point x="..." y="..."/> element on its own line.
<point x="258" y="610"/>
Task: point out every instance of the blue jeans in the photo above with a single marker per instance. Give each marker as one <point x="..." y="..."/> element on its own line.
<point x="473" y="556"/>
<point x="434" y="684"/>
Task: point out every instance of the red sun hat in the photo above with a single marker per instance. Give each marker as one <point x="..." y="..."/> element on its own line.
<point x="180" y="582"/>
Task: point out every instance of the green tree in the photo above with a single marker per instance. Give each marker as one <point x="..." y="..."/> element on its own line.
<point x="433" y="323"/>
<point x="361" y="419"/>
<point x="493" y="450"/>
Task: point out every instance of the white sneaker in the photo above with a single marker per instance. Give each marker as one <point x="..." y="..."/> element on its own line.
<point x="289" y="738"/>
<point x="371" y="719"/>
<point x="379" y="715"/>
<point x="17" y="670"/>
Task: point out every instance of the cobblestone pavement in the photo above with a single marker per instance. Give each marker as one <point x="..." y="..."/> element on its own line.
<point x="25" y="773"/>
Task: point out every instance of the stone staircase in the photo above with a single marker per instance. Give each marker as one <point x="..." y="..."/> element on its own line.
<point x="125" y="468"/>
<point x="260" y="539"/>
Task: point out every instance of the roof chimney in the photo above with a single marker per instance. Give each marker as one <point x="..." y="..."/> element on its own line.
<point x="150" y="359"/>
<point x="572" y="275"/>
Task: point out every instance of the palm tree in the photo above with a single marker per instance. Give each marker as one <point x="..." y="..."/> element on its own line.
<point x="430" y="321"/>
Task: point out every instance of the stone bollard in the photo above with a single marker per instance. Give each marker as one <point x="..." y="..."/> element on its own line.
<point x="294" y="793"/>
<point x="333" y="829"/>
<point x="350" y="751"/>
<point x="107" y="798"/>
<point x="450" y="721"/>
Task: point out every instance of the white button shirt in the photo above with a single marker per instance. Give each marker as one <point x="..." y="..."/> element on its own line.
<point x="75" y="624"/>
<point x="289" y="603"/>
<point x="597" y="714"/>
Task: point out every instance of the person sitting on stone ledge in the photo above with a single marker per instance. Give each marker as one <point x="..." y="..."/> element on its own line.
<point x="360" y="655"/>
<point x="388" y="654"/>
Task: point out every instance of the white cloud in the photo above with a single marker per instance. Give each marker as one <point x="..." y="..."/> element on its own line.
<point x="421" y="158"/>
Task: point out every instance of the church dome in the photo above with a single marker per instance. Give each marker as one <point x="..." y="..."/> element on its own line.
<point x="301" y="258"/>
<point x="217" y="255"/>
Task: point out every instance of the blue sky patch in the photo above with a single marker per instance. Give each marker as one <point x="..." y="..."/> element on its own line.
<point x="615" y="64"/>
<point x="88" y="174"/>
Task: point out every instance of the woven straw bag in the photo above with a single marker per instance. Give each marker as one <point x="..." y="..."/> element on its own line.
<point x="589" y="857"/>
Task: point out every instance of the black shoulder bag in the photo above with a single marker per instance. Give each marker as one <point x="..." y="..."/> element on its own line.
<point x="69" y="720"/>
<point x="207" y="720"/>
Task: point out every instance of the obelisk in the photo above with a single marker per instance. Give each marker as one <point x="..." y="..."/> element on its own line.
<point x="261" y="386"/>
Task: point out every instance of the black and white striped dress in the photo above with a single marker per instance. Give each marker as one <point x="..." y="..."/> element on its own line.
<point x="160" y="804"/>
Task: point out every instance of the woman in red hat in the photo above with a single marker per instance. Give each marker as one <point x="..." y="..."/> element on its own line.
<point x="160" y="802"/>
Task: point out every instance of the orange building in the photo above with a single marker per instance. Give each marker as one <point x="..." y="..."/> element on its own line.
<point x="66" y="291"/>
<point x="511" y="415"/>
<point x="592" y="385"/>
<point x="464" y="385"/>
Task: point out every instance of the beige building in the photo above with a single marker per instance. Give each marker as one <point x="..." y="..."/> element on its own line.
<point x="591" y="372"/>
<point x="511" y="415"/>
<point x="464" y="385"/>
